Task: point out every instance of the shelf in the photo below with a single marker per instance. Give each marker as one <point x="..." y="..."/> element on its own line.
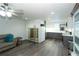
<point x="77" y="46"/>
<point x="34" y="39"/>
<point x="70" y="42"/>
<point x="77" y="35"/>
<point x="70" y="52"/>
<point x="73" y="54"/>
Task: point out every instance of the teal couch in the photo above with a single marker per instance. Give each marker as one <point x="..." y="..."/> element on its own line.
<point x="6" y="45"/>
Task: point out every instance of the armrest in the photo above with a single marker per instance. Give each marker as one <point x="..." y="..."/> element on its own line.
<point x="15" y="41"/>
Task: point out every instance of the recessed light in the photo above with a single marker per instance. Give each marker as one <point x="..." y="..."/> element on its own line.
<point x="26" y="18"/>
<point x="52" y="13"/>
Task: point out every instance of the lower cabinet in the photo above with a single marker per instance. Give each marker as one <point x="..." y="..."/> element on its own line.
<point x="68" y="42"/>
<point x="52" y="35"/>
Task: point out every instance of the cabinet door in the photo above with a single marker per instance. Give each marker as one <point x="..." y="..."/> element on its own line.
<point x="33" y="33"/>
<point x="76" y="29"/>
<point x="76" y="33"/>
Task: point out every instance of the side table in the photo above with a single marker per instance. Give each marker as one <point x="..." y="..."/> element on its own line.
<point x="19" y="41"/>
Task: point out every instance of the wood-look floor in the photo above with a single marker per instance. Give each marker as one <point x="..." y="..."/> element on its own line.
<point x="50" y="47"/>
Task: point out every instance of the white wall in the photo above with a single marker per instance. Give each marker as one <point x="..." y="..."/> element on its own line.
<point x="36" y="23"/>
<point x="15" y="26"/>
<point x="53" y="25"/>
<point x="70" y="24"/>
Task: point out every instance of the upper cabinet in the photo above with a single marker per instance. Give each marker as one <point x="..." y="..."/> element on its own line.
<point x="75" y="14"/>
<point x="75" y="9"/>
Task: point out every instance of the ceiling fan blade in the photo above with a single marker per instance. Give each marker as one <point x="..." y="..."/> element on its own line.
<point x="6" y="4"/>
<point x="14" y="14"/>
<point x="2" y="8"/>
<point x="11" y="10"/>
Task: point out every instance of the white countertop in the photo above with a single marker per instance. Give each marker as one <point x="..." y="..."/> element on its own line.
<point x="66" y="34"/>
<point x="56" y="31"/>
<point x="63" y="33"/>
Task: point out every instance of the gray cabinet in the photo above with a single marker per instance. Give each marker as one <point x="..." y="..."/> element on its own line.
<point x="76" y="34"/>
<point x="52" y="35"/>
<point x="67" y="42"/>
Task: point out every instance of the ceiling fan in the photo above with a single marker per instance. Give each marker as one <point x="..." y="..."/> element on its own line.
<point x="6" y="10"/>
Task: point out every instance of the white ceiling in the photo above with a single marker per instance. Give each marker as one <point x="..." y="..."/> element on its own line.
<point x="43" y="10"/>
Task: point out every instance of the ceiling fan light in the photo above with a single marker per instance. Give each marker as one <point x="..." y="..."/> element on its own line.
<point x="9" y="14"/>
<point x="2" y="13"/>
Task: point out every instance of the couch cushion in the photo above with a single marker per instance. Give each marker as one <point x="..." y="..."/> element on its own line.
<point x="1" y="40"/>
<point x="9" y="38"/>
<point x="5" y="44"/>
<point x="3" y="36"/>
